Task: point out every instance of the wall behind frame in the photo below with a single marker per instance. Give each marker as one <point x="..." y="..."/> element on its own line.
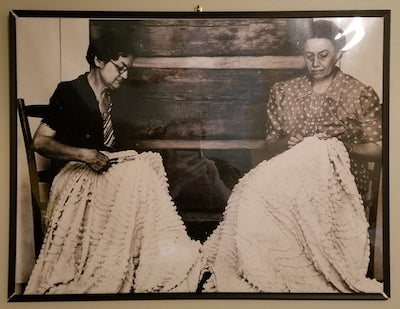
<point x="50" y="59"/>
<point x="209" y="5"/>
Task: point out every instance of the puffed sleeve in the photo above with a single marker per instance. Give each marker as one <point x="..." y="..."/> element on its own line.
<point x="274" y="112"/>
<point x="57" y="115"/>
<point x="370" y="116"/>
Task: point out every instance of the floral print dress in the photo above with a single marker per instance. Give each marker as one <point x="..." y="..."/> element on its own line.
<point x="348" y="110"/>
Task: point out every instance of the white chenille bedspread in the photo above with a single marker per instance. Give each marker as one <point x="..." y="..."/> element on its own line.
<point x="295" y="223"/>
<point x="115" y="232"/>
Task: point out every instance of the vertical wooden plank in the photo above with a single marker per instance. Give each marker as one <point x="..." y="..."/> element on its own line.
<point x="74" y="44"/>
<point x="38" y="58"/>
<point x="378" y="258"/>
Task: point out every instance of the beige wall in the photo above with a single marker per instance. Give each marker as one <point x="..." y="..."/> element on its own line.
<point x="185" y="5"/>
<point x="51" y="59"/>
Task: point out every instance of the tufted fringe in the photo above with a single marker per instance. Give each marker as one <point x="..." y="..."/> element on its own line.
<point x="295" y="223"/>
<point x="115" y="232"/>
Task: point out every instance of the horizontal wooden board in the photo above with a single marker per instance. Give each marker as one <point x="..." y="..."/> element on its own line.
<point x="199" y="144"/>
<point x="235" y="62"/>
<point x="190" y="103"/>
<point x="209" y="37"/>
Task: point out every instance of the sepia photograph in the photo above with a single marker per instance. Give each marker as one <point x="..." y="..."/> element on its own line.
<point x="199" y="155"/>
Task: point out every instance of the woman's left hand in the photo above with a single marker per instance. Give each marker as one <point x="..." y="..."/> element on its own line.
<point x="95" y="159"/>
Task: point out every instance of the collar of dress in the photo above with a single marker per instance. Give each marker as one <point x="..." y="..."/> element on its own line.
<point x="333" y="92"/>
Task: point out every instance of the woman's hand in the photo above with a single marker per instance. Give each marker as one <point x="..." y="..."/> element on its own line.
<point x="322" y="136"/>
<point x="371" y="151"/>
<point x="297" y="138"/>
<point x="294" y="140"/>
<point x="45" y="143"/>
<point x="96" y="160"/>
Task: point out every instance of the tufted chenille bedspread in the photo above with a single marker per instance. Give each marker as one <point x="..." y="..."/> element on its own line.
<point x="115" y="232"/>
<point x="295" y="223"/>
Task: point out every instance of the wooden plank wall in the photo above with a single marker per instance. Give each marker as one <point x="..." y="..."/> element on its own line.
<point x="204" y="79"/>
<point x="204" y="83"/>
<point x="209" y="37"/>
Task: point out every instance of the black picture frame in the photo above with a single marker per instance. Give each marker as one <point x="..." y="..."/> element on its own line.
<point x="97" y="21"/>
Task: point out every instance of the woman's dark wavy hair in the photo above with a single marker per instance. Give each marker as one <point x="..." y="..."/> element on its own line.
<point x="327" y="30"/>
<point x="109" y="46"/>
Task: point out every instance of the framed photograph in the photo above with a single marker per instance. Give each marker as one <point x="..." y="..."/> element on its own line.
<point x="162" y="155"/>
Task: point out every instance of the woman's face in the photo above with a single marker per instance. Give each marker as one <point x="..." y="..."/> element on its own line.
<point x="114" y="72"/>
<point x="320" y="58"/>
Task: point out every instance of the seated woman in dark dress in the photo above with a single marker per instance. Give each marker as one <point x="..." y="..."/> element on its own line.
<point x="74" y="129"/>
<point x="112" y="225"/>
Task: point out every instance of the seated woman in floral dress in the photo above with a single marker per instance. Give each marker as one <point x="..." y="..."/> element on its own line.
<point x="296" y="222"/>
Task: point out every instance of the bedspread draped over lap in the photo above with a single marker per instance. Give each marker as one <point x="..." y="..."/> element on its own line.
<point x="295" y="223"/>
<point x="115" y="232"/>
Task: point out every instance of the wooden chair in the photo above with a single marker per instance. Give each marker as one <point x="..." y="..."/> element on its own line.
<point x="371" y="202"/>
<point x="39" y="180"/>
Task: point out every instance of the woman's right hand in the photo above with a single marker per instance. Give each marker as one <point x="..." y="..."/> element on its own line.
<point x="45" y="143"/>
<point x="294" y="140"/>
<point x="96" y="160"/>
